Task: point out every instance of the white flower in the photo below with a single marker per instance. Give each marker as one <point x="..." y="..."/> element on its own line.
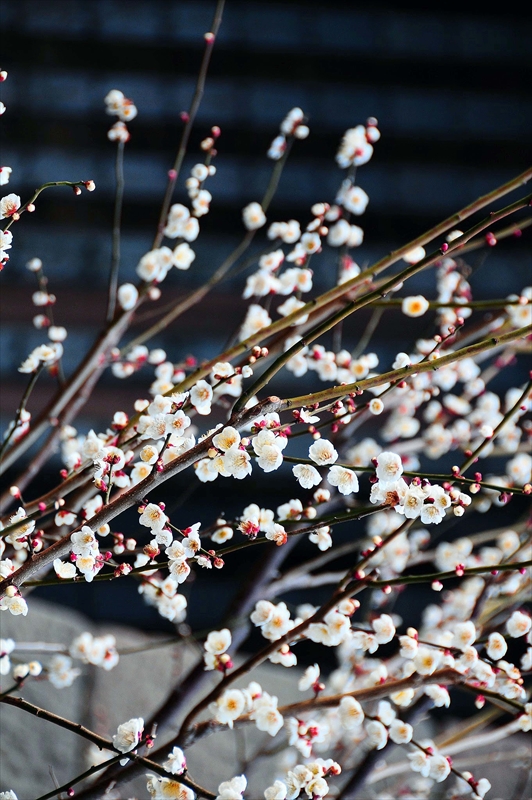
<point x="377" y="734"/>
<point x="402" y="698"/>
<point x="482" y="788"/>
<point x="419" y="762"/>
<point x="290" y="306"/>
<point x="400" y="732"/>
<point x="438" y="694"/>
<point x="9" y="205"/>
<point x="431" y="514"/>
<point x="322" y="452"/>
<point x="439" y="768"/>
<point x="525" y="720"/>
<point x="345" y="479"/>
<point x="168" y="789"/>
<point x="237" y="462"/>
<point x="253" y="216"/>
<point x="154" y="266"/>
<point x="176" y="762"/>
<point x="519" y="624"/>
<point x="389" y="468"/>
<point x="309" y="678"/>
<point x="10" y="794"/>
<point x="201" y="397"/>
<point x="64" y="569"/>
<point x="307" y="476"/>
<point x="128" y="734"/>
<point x="496" y="647"/>
<point x="353" y="199"/>
<point x="351" y="713"/>
<point x="427" y="660"/>
<point x="464" y="635"/>
<point x="414" y="306"/>
<point x="278" y="624"/>
<point x="256" y="319"/>
<point x="153" y="517"/>
<point x="270" y="458"/>
<point x="264" y="611"/>
<point x="127" y="296"/>
<point x="60" y="672"/>
<point x="229" y="706"/>
<point x="5" y="174"/>
<point x="233" y="789"/>
<point x="217" y="642"/>
<point x="268" y="718"/>
<point x="15" y="604"/>
<point x="409" y="646"/>
<point x="227" y="438"/>
<point x="322" y="537"/>
<point x="183" y="256"/>
<point x="354" y="148"/>
<point x="414" y="255"/>
<point x="384" y="629"/>
<point x="84" y="542"/>
<point x="276" y="792"/>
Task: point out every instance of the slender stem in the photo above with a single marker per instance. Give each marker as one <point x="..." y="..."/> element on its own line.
<point x="191" y="117"/>
<point x="9" y="691"/>
<point x="504" y="421"/>
<point x="117" y="219"/>
<point x="100" y="741"/>
<point x="370" y="694"/>
<point x="133" y="495"/>
<point x="372" y="325"/>
<point x="366" y="276"/>
<point x="93" y="362"/>
<point x="223" y="270"/>
<point x="368" y="298"/>
<point x="20" y="410"/>
<point x="36" y="194"/>
<point x="405" y="580"/>
<point x="473" y="304"/>
<point x="406" y="372"/>
<point x="346" y="588"/>
<point x="91" y="771"/>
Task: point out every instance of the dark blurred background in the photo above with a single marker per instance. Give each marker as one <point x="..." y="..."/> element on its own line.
<point x="450" y="87"/>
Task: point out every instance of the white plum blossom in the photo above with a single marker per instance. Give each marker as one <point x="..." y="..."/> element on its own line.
<point x="351" y="713"/>
<point x="519" y="624"/>
<point x="307" y="476"/>
<point x="128" y="735"/>
<point x="414" y="306"/>
<point x="389" y="467"/>
<point x="377" y="735"/>
<point x="229" y="706"/>
<point x="233" y="789"/>
<point x="322" y="452"/>
<point x="9" y="205"/>
<point x="176" y="762"/>
<point x="253" y="216"/>
<point x="127" y="296"/>
<point x="384" y="628"/>
<point x="217" y="642"/>
<point x="256" y="319"/>
<point x="345" y="479"/>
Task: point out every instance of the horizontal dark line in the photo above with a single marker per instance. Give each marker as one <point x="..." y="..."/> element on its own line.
<point x="78" y="135"/>
<point x="245" y="63"/>
<point x="95" y="213"/>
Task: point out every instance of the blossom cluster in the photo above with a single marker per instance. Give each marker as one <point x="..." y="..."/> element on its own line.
<point x="356" y="449"/>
